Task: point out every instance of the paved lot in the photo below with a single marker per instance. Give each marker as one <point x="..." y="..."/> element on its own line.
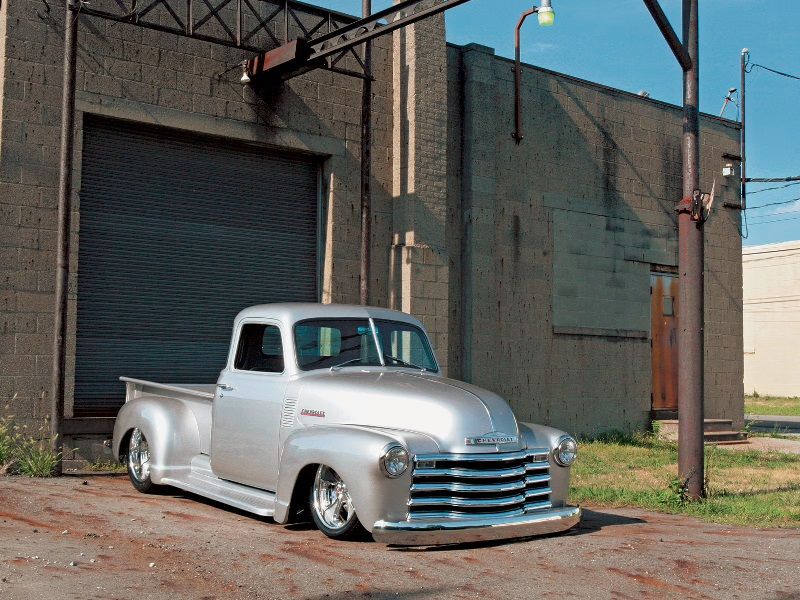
<point x="128" y="545"/>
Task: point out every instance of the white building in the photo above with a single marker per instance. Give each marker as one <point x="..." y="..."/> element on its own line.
<point x="771" y="280"/>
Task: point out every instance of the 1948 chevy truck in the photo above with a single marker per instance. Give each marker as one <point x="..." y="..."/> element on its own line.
<point x="341" y="412"/>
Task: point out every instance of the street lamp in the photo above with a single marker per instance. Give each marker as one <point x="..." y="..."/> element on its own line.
<point x="547" y="17"/>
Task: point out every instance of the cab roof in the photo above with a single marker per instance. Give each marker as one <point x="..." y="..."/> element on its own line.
<point x="292" y="312"/>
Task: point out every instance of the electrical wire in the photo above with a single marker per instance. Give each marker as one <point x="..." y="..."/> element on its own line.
<point x="773" y="204"/>
<point x="781" y="73"/>
<point x="761" y="219"/>
<point x="778" y="187"/>
<point x="772" y="179"/>
<point x="769" y="252"/>
<point x="777" y="220"/>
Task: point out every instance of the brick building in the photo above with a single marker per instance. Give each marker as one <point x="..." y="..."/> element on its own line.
<point x="530" y="264"/>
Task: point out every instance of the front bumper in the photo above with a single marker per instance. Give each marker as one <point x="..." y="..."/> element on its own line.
<point x="457" y="531"/>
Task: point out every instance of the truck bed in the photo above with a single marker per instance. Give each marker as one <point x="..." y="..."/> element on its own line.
<point x="196" y="397"/>
<point x="180" y="391"/>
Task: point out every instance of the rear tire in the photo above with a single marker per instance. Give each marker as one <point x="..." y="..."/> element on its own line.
<point x="332" y="507"/>
<point x="138" y="461"/>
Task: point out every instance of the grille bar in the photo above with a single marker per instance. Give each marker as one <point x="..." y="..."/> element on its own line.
<point x="468" y="502"/>
<point x="510" y="486"/>
<point x="538" y="453"/>
<point x="474" y="473"/>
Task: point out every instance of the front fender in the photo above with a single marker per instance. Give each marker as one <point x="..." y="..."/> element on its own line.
<point x="353" y="452"/>
<point x="171" y="431"/>
<point x="541" y="436"/>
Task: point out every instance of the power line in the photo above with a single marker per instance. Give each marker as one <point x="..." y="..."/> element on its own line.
<point x="772" y="179"/>
<point x="768" y="252"/>
<point x="781" y="73"/>
<point x="777" y="214"/>
<point x="776" y="220"/>
<point x="777" y="187"/>
<point x="772" y="204"/>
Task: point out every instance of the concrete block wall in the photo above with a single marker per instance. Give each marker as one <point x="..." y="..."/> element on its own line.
<point x="559" y="233"/>
<point x="420" y="263"/>
<point x="163" y="79"/>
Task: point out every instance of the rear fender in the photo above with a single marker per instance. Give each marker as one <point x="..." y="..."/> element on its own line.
<point x="170" y="428"/>
<point x="354" y="453"/>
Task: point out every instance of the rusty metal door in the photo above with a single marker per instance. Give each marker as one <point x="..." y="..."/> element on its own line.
<point x="664" y="340"/>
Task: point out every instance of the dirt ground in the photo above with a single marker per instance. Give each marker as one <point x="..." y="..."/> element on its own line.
<point x="96" y="537"/>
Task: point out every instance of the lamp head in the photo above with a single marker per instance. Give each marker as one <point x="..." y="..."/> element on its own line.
<point x="546" y="14"/>
<point x="245" y="75"/>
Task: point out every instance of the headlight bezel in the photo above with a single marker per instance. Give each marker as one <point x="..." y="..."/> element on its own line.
<point x="557" y="451"/>
<point x="385" y="458"/>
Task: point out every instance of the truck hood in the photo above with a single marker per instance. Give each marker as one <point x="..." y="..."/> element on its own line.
<point x="446" y="410"/>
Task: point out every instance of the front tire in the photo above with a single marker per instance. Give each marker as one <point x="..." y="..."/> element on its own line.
<point x="138" y="461"/>
<point x="332" y="507"/>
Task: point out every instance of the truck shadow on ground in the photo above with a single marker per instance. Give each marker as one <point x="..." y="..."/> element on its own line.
<point x="592" y="521"/>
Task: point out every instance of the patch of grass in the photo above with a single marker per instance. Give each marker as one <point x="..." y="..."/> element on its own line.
<point x="747" y="488"/>
<point x="772" y="405"/>
<point x="24" y="453"/>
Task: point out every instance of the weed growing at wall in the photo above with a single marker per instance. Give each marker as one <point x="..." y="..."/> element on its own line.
<point x="25" y="453"/>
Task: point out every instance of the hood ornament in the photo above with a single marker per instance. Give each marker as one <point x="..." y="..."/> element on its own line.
<point x="491" y="439"/>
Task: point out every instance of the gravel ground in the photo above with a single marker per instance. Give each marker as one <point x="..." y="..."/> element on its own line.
<point x="96" y="537"/>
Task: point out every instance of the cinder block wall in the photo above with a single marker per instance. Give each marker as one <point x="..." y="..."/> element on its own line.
<point x="158" y="78"/>
<point x="557" y="237"/>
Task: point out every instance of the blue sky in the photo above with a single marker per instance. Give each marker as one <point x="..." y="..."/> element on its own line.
<point x="616" y="43"/>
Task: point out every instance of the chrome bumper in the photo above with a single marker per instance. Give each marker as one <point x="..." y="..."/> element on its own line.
<point x="457" y="531"/>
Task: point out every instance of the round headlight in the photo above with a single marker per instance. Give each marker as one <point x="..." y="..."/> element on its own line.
<point x="566" y="451"/>
<point x="394" y="461"/>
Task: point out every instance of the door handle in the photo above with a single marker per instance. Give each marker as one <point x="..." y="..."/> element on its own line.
<point x="225" y="387"/>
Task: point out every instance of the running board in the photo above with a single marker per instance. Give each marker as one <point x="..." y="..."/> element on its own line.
<point x="202" y="481"/>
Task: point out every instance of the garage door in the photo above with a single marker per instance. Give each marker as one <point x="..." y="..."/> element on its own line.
<point x="178" y="233"/>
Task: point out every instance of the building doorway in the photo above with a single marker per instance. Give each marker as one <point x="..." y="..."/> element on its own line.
<point x="664" y="342"/>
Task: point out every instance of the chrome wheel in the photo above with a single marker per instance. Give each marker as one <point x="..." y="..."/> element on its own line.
<point x="331" y="502"/>
<point x="139" y="457"/>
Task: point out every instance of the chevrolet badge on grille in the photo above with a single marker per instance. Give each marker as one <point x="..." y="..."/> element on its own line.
<point x="490" y="439"/>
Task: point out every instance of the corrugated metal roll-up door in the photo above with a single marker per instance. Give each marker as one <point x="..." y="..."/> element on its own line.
<point x="178" y="233"/>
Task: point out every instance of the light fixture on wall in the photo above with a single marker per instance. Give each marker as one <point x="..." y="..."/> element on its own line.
<point x="730" y="162"/>
<point x="245" y="75"/>
<point x="546" y="14"/>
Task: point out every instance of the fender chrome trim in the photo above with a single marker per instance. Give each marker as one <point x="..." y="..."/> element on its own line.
<point x="457" y="531"/>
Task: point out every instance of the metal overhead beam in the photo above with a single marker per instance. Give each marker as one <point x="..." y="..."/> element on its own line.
<point x="300" y="56"/>
<point x="675" y="44"/>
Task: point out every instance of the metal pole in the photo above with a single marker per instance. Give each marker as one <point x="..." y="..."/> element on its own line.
<point x="518" y="135"/>
<point x="690" y="266"/>
<point x="366" y="164"/>
<point x="742" y="101"/>
<point x="64" y="219"/>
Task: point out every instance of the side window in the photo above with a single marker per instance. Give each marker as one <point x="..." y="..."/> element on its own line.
<point x="260" y="349"/>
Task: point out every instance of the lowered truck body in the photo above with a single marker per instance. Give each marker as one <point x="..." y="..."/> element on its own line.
<point x="341" y="413"/>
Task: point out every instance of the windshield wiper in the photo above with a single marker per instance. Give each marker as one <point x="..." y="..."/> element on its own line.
<point x="404" y="363"/>
<point x="345" y="363"/>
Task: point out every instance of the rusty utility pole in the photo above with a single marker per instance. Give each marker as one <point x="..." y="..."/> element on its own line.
<point x="63" y="236"/>
<point x="690" y="254"/>
<point x="366" y="163"/>
<point x="690" y="266"/>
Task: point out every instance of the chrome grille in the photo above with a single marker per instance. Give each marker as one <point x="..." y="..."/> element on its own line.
<point x="485" y="485"/>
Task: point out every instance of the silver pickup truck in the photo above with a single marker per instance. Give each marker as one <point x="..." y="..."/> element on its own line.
<point x="341" y="412"/>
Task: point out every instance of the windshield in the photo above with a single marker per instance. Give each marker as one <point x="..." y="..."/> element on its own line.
<point x="326" y="343"/>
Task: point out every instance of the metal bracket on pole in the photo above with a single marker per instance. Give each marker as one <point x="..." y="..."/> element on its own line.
<point x="698" y="206"/>
<point x="289" y="61"/>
